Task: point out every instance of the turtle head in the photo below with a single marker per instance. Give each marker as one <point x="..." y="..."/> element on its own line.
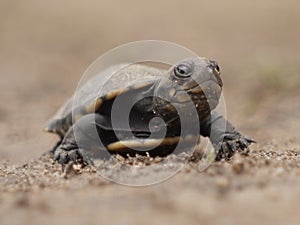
<point x="194" y="79"/>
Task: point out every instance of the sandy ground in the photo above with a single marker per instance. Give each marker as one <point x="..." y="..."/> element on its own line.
<point x="46" y="46"/>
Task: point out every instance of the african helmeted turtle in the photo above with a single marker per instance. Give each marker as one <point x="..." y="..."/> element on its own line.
<point x="193" y="80"/>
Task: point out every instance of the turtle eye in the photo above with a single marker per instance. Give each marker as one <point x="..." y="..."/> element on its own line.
<point x="183" y="71"/>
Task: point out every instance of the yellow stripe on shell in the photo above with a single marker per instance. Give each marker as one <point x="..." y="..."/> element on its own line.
<point x="93" y="107"/>
<point x="190" y="137"/>
<point x="195" y="90"/>
<point x="62" y="132"/>
<point x="140" y="85"/>
<point x="172" y="92"/>
<point x="114" y="94"/>
<point x="77" y="117"/>
<point x="147" y="143"/>
<point x="183" y="97"/>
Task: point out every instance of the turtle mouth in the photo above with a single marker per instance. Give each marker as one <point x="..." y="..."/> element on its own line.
<point x="200" y="100"/>
<point x="209" y="91"/>
<point x="204" y="96"/>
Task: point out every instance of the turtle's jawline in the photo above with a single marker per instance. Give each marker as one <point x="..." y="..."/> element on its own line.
<point x="187" y="95"/>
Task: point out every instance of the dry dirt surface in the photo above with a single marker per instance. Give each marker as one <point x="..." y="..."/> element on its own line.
<point x="45" y="46"/>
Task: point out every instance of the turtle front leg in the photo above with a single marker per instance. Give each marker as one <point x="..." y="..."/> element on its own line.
<point x="224" y="137"/>
<point x="80" y="142"/>
<point x="69" y="152"/>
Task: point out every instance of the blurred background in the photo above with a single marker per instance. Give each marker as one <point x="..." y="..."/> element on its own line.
<point x="45" y="46"/>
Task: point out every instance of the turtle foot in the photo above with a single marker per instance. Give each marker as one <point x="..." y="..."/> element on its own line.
<point x="75" y="156"/>
<point x="232" y="144"/>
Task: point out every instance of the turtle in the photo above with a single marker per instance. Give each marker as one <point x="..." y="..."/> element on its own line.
<point x="86" y="125"/>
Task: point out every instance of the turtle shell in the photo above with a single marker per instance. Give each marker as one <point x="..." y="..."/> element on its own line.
<point x="88" y="99"/>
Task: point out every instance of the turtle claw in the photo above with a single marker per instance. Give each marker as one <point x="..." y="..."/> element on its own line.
<point x="74" y="156"/>
<point x="250" y="140"/>
<point x="231" y="144"/>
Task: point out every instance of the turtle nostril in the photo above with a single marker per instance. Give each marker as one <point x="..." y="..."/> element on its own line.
<point x="217" y="68"/>
<point x="214" y="65"/>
